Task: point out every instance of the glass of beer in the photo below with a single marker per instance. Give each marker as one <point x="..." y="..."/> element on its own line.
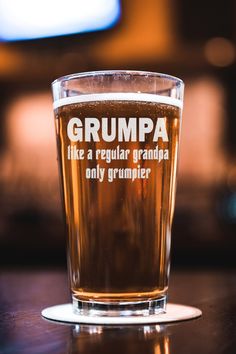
<point x="118" y="138"/>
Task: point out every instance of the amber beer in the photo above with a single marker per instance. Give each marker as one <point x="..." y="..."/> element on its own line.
<point x="118" y="158"/>
<point x="118" y="134"/>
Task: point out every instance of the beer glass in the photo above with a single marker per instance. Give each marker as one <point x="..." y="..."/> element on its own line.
<point x="118" y="136"/>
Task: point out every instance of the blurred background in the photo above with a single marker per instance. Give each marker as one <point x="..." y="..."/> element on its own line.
<point x="43" y="40"/>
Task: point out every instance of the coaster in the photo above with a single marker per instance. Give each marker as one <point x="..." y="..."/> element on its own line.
<point x="174" y="313"/>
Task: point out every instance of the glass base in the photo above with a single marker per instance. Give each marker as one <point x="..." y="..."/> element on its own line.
<point x="117" y="309"/>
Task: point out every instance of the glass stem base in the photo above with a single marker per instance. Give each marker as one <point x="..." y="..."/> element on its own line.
<point x="116" y="309"/>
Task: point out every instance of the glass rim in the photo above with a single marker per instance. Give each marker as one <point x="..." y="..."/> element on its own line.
<point x="121" y="72"/>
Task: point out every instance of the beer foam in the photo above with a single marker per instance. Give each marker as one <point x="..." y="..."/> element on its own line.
<point x="120" y="96"/>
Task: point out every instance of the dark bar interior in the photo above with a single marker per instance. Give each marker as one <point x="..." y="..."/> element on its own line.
<point x="193" y="40"/>
<point x="162" y="36"/>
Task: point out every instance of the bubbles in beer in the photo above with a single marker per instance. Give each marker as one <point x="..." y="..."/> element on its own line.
<point x="119" y="227"/>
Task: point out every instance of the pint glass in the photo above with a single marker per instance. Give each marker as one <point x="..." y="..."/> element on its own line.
<point x="118" y="137"/>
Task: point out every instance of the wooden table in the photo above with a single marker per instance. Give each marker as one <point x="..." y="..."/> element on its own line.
<point x="23" y="294"/>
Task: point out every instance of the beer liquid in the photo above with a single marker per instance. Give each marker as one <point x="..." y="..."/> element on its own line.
<point x="119" y="232"/>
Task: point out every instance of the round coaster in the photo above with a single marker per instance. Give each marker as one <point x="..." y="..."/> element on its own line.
<point x="174" y="313"/>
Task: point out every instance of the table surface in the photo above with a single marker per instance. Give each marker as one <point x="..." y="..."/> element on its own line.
<point x="23" y="294"/>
